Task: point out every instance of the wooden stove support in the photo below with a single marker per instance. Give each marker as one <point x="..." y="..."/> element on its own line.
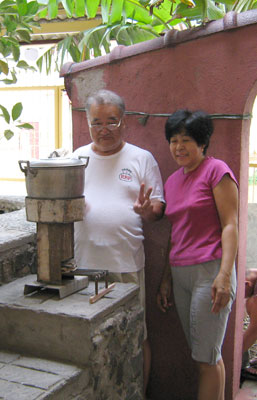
<point x="55" y="227"/>
<point x="55" y="243"/>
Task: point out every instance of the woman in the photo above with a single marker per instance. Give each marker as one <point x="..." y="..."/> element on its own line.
<point x="202" y="207"/>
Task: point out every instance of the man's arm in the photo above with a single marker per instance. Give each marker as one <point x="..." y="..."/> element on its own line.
<point x="149" y="210"/>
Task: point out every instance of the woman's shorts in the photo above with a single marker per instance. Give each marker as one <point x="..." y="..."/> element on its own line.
<point x="204" y="330"/>
<point x="133" y="277"/>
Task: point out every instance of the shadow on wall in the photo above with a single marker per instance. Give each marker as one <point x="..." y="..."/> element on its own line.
<point x="168" y="360"/>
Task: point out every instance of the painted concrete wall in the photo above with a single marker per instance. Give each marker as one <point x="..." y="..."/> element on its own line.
<point x="251" y="253"/>
<point x="211" y="68"/>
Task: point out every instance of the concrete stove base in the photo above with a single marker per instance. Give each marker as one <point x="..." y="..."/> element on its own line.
<point x="68" y="286"/>
<point x="104" y="338"/>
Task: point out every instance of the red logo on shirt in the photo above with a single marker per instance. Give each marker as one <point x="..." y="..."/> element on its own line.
<point x="125" y="175"/>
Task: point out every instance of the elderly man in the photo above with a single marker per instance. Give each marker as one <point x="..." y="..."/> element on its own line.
<point x="123" y="185"/>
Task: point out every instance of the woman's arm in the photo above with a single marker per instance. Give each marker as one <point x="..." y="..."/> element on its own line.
<point x="226" y="199"/>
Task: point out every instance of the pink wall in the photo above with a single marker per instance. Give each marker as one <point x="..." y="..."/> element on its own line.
<point x="211" y="68"/>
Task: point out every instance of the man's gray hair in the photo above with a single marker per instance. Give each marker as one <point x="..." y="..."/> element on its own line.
<point x="105" y="97"/>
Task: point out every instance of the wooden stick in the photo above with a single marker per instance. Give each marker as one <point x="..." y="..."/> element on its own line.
<point x="103" y="292"/>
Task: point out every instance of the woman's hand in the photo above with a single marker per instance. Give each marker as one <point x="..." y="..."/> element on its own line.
<point x="221" y="292"/>
<point x="163" y="295"/>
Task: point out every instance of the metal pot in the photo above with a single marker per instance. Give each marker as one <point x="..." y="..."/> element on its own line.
<point x="55" y="178"/>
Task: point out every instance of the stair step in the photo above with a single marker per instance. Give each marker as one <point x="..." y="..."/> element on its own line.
<point x="27" y="378"/>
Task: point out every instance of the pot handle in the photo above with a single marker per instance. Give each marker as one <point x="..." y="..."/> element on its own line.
<point x="86" y="158"/>
<point x="26" y="169"/>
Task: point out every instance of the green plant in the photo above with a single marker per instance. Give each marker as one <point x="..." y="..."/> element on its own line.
<point x="10" y="119"/>
<point x="127" y="22"/>
<point x="123" y="22"/>
<point x="16" y="23"/>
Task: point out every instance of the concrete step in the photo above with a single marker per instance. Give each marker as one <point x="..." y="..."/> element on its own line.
<point x="43" y="325"/>
<point x="27" y="378"/>
<point x="68" y="348"/>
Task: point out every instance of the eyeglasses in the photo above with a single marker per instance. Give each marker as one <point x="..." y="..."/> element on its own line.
<point x="99" y="127"/>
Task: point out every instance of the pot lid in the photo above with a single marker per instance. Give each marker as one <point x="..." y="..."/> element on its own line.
<point x="58" y="162"/>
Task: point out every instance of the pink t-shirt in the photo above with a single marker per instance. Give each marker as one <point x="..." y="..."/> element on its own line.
<point x="191" y="210"/>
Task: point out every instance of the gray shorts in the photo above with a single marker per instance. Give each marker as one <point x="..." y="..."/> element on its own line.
<point x="133" y="277"/>
<point x="204" y="330"/>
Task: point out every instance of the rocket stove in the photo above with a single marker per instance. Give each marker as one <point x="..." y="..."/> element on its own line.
<point x="55" y="200"/>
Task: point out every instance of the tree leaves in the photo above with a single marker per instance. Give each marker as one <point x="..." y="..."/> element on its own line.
<point x="91" y="8"/>
<point x="22" y="7"/>
<point x="5" y="114"/>
<point x="123" y="21"/>
<point x="26" y="125"/>
<point x="8" y="134"/>
<point x="11" y="118"/>
<point x="244" y="5"/>
<point x="204" y="10"/>
<point x="116" y="11"/>
<point x="105" y="7"/>
<point x="52" y="8"/>
<point x="4" y="67"/>
<point x="32" y="8"/>
<point x="80" y="8"/>
<point x="68" y="5"/>
<point x="16" y="111"/>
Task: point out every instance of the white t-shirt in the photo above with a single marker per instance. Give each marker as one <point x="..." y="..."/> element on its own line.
<point x="111" y="236"/>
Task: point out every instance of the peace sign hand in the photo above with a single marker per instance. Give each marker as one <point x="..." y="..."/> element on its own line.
<point x="143" y="205"/>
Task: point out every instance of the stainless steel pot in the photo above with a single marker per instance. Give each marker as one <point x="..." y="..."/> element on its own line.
<point x="55" y="178"/>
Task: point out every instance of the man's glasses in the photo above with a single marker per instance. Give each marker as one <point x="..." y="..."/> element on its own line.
<point x="99" y="127"/>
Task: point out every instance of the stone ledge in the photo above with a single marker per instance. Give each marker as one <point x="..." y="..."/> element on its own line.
<point x="11" y="203"/>
<point x="17" y="240"/>
<point x="17" y="221"/>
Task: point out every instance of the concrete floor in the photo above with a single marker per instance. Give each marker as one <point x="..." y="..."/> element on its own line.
<point x="248" y="391"/>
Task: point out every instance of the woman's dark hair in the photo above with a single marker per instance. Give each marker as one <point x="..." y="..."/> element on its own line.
<point x="196" y="124"/>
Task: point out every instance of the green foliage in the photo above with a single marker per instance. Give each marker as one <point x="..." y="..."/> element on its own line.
<point x="244" y="5"/>
<point x="16" y="111"/>
<point x="91" y="7"/>
<point x="16" y="23"/>
<point x="5" y="114"/>
<point x="26" y="125"/>
<point x="128" y="22"/>
<point x="203" y="11"/>
<point x="125" y="22"/>
<point x="10" y="118"/>
<point x="8" y="134"/>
